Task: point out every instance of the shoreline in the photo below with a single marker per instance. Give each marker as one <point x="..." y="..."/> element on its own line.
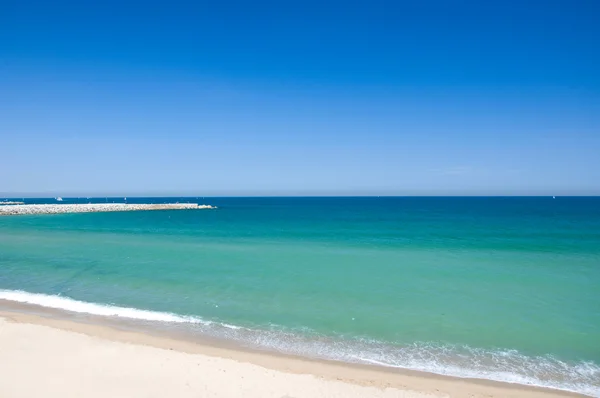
<point x="22" y="209"/>
<point x="402" y="381"/>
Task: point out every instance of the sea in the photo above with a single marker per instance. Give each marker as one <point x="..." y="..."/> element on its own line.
<point x="498" y="288"/>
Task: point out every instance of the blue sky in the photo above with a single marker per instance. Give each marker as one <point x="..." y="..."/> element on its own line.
<point x="300" y="98"/>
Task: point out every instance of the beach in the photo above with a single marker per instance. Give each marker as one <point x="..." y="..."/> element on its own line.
<point x="483" y="291"/>
<point x="44" y="355"/>
<point x="300" y="199"/>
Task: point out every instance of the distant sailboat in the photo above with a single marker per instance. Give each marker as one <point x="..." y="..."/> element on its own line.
<point x="59" y="199"/>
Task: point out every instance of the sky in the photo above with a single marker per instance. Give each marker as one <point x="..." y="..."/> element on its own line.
<point x="220" y="98"/>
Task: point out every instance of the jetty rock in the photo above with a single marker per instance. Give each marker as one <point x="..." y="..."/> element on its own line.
<point x="18" y="209"/>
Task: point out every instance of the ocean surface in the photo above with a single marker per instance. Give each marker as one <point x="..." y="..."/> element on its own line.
<point x="497" y="288"/>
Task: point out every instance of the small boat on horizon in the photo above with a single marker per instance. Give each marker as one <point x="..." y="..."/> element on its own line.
<point x="59" y="199"/>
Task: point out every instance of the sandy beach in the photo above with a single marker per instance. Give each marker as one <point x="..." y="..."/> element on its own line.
<point x="50" y="357"/>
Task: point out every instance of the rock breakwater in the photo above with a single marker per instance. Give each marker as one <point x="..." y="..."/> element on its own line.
<point x="95" y="208"/>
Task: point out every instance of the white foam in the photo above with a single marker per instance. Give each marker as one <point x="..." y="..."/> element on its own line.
<point x="508" y="366"/>
<point x="68" y="304"/>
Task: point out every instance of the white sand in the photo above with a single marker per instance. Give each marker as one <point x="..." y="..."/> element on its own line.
<point x="48" y="361"/>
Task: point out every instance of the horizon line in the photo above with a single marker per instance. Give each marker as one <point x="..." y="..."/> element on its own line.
<point x="295" y="196"/>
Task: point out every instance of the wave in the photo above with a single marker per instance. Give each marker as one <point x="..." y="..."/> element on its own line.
<point x="68" y="304"/>
<point x="451" y="360"/>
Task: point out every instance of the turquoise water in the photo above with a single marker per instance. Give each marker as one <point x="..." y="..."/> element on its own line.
<point x="497" y="288"/>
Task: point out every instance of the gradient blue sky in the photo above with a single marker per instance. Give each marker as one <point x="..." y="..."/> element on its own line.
<point x="300" y="97"/>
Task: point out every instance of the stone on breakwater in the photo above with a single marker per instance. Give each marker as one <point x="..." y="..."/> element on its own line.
<point x="95" y="208"/>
